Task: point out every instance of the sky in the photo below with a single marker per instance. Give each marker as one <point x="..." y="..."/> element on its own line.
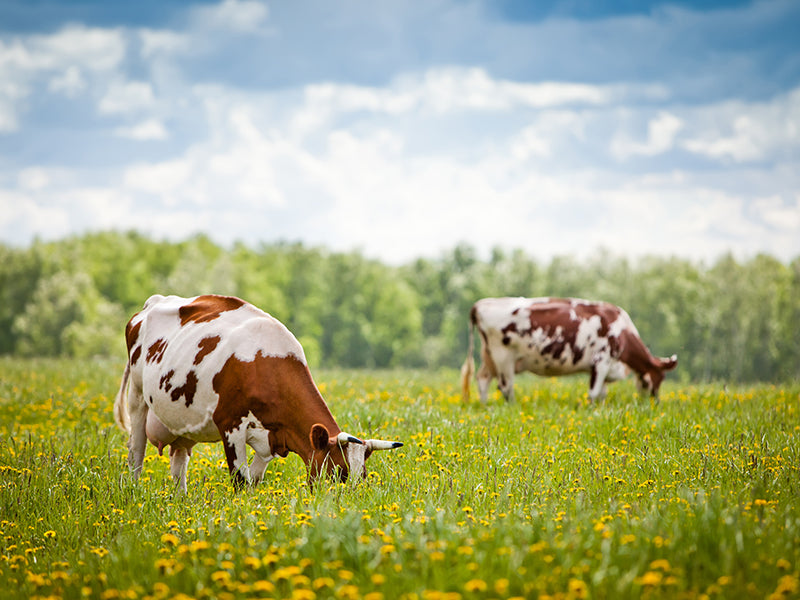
<point x="400" y="129"/>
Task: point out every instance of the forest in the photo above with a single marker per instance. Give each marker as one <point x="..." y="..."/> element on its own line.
<point x="727" y="321"/>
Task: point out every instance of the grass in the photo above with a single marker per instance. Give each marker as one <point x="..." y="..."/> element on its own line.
<point x="549" y="497"/>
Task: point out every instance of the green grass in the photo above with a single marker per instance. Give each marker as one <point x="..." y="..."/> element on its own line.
<point x="695" y="497"/>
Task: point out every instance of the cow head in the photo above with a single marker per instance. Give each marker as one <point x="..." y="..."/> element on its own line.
<point x="651" y="379"/>
<point x="338" y="455"/>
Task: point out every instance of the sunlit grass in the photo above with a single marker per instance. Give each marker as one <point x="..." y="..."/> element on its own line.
<point x="694" y="497"/>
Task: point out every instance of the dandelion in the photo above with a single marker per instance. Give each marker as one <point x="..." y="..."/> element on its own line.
<point x="475" y="585"/>
<point x="651" y="578"/>
<point x="220" y="576"/>
<point x="169" y="539"/>
<point x="303" y="594"/>
<point x="501" y="586"/>
<point x="252" y="562"/>
<point x="783" y="564"/>
<point x="661" y="564"/>
<point x="263" y="586"/>
<point x="577" y="588"/>
<point x="348" y="592"/>
<point x="323" y="582"/>
<point x="49" y="534"/>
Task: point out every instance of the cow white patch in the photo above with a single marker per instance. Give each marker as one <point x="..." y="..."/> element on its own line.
<point x="356" y="459"/>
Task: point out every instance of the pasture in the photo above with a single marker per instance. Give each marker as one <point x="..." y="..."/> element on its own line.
<point x="695" y="497"/>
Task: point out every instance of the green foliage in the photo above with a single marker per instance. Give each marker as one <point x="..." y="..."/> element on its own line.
<point x="695" y="497"/>
<point x="727" y="321"/>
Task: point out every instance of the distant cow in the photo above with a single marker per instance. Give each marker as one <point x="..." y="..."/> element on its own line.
<point x="558" y="336"/>
<point x="214" y="368"/>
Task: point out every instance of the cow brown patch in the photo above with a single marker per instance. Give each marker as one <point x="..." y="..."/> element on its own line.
<point x="136" y="354"/>
<point x="187" y="390"/>
<point x="281" y="394"/>
<point x="207" y="308"/>
<point x="132" y="333"/>
<point x="206" y="346"/>
<point x="164" y="383"/>
<point x="156" y="351"/>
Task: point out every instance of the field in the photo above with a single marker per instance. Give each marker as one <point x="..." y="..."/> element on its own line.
<point x="550" y="497"/>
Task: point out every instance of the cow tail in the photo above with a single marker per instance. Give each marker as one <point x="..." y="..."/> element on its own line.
<point x="468" y="368"/>
<point x="121" y="415"/>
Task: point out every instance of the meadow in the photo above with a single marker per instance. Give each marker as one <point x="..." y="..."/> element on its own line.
<point x="697" y="496"/>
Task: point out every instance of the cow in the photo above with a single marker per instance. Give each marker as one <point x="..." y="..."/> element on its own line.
<point x="216" y="368"/>
<point x="558" y="336"/>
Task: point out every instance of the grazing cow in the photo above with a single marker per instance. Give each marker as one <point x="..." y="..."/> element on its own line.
<point x="214" y="368"/>
<point x="558" y="336"/>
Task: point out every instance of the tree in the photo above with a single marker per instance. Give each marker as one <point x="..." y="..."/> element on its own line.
<point x="67" y="316"/>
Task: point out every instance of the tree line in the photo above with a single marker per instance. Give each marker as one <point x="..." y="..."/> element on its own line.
<point x="730" y="320"/>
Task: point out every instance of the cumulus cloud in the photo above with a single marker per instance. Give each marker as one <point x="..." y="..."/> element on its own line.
<point x="123" y="97"/>
<point x="147" y="130"/>
<point x="233" y="15"/>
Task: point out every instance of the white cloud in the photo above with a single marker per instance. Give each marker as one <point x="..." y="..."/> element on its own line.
<point x="150" y="129"/>
<point x="233" y="15"/>
<point x="742" y="132"/>
<point x="780" y="214"/>
<point x="125" y="97"/>
<point x="156" y="42"/>
<point x="661" y="133"/>
<point x="69" y="82"/>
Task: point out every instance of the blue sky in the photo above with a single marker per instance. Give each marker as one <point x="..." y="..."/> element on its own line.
<point x="403" y="128"/>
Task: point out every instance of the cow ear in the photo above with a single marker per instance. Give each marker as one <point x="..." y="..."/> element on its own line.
<point x="320" y="438"/>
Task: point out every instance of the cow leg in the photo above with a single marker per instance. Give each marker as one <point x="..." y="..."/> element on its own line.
<point x="504" y="365"/>
<point x="484" y="378"/>
<point x="235" y="444"/>
<point x="258" y="440"/>
<point x="137" y="442"/>
<point x="597" y="380"/>
<point x="505" y="381"/>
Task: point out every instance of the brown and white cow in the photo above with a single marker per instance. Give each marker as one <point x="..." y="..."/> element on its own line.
<point x="558" y="336"/>
<point x="214" y="368"/>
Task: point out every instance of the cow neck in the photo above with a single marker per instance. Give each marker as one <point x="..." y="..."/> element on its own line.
<point x="292" y="404"/>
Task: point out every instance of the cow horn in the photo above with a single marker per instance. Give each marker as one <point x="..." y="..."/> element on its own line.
<point x="345" y="438"/>
<point x="382" y="444"/>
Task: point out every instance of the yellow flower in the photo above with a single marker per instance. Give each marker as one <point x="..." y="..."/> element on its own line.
<point x="475" y="585"/>
<point x="577" y="588"/>
<point x="660" y="563"/>
<point x="321" y="582"/>
<point x="650" y="578"/>
<point x="49" y="534"/>
<point x="377" y="579"/>
<point x="169" y="539"/>
<point x="302" y="594"/>
<point x="501" y="586"/>
<point x="783" y="564"/>
<point x="348" y="592"/>
<point x="220" y="576"/>
<point x="263" y="586"/>
<point x="252" y="562"/>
